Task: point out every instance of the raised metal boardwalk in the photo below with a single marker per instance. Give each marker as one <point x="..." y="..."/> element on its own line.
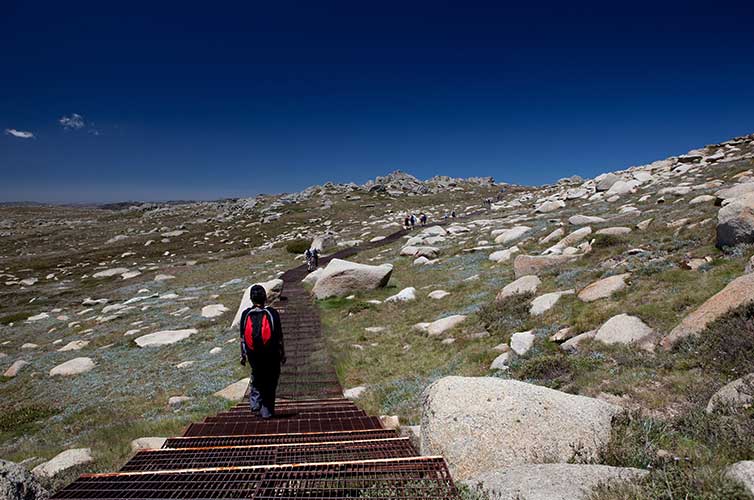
<point x="318" y="446"/>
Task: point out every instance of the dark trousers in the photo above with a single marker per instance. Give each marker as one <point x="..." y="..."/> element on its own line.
<point x="264" y="382"/>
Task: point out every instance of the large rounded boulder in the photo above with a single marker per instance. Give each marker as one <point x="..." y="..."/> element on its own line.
<point x="273" y="288"/>
<point x="341" y="278"/>
<point x="735" y="222"/>
<point x="482" y="424"/>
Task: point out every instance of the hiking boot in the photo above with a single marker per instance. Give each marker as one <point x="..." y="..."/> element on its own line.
<point x="265" y="413"/>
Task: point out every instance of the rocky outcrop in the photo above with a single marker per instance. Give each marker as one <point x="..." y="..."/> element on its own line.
<point x="437" y="328"/>
<point x="16" y="483"/>
<point x="341" y="278"/>
<point x="550" y="481"/>
<point x="235" y="391"/>
<point x="737" y="292"/>
<point x="483" y="424"/>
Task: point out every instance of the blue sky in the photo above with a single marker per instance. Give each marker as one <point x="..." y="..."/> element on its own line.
<point x="203" y="100"/>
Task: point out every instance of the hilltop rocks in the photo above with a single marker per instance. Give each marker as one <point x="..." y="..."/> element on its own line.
<point x="550" y="481"/>
<point x="534" y="264"/>
<point x="423" y="251"/>
<point x="604" y="288"/>
<point x="165" y="337"/>
<point x="550" y="206"/>
<point x="733" y="192"/>
<point x="437" y="328"/>
<point x="606" y="181"/>
<point x="735" y="222"/>
<point x="75" y="366"/>
<point x="235" y="391"/>
<point x="273" y="288"/>
<point x="16" y="483"/>
<point x="74" y="345"/>
<point x="524" y="284"/>
<point x="625" y="329"/>
<point x="483" y="424"/>
<point x="341" y="278"/>
<point x="63" y="461"/>
<point x="737" y="292"/>
<point x="734" y="395"/>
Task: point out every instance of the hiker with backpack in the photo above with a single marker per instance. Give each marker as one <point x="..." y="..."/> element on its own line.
<point x="262" y="346"/>
<point x="423" y="219"/>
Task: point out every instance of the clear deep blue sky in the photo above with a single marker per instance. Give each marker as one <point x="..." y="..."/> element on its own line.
<point x="215" y="99"/>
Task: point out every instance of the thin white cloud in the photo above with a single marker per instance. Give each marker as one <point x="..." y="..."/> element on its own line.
<point x="72" y="122"/>
<point x="21" y="134"/>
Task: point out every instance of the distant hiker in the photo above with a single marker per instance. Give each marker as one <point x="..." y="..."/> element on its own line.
<point x="423" y="218"/>
<point x="453" y="214"/>
<point x="412" y="220"/>
<point x="488" y="203"/>
<point x="315" y="258"/>
<point x="309" y="256"/>
<point x="262" y="346"/>
<point x="407" y="222"/>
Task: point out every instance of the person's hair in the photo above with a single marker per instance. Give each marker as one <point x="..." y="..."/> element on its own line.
<point x="258" y="295"/>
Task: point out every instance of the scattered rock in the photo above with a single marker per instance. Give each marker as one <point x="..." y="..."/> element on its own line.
<point x="604" y="288"/>
<point x="501" y="256"/>
<point x="147" y="443"/>
<point x="614" y="231"/>
<point x="235" y="391"/>
<point x="214" y="310"/>
<point x="734" y="395"/>
<point x="525" y="265"/>
<point x="524" y="284"/>
<point x="550" y="481"/>
<point x="482" y="424"/>
<point x="501" y="362"/>
<point x="438" y="294"/>
<point x="405" y="295"/>
<point x="743" y="472"/>
<point x="74" y="366"/>
<point x="625" y="329"/>
<point x="341" y="278"/>
<point x="511" y="235"/>
<point x="13" y="370"/>
<point x="521" y="342"/>
<point x="164" y="337"/>
<point x="572" y="344"/>
<point x="110" y="272"/>
<point x="735" y="222"/>
<point x="440" y="326"/>
<point x="544" y="303"/>
<point x="63" y="461"/>
<point x="74" y="345"/>
<point x="737" y="292"/>
<point x="354" y="392"/>
<point x="582" y="220"/>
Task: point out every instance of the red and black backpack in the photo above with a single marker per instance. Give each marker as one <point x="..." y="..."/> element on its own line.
<point x="258" y="329"/>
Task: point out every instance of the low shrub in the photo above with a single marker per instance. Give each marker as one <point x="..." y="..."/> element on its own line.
<point x="508" y="315"/>
<point x="726" y="346"/>
<point x="21" y="419"/>
<point x="298" y="246"/>
<point x="607" y="240"/>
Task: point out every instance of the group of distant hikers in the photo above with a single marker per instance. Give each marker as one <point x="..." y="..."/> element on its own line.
<point x="410" y="220"/>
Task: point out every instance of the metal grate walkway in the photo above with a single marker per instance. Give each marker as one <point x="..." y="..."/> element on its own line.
<point x="318" y="446"/>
